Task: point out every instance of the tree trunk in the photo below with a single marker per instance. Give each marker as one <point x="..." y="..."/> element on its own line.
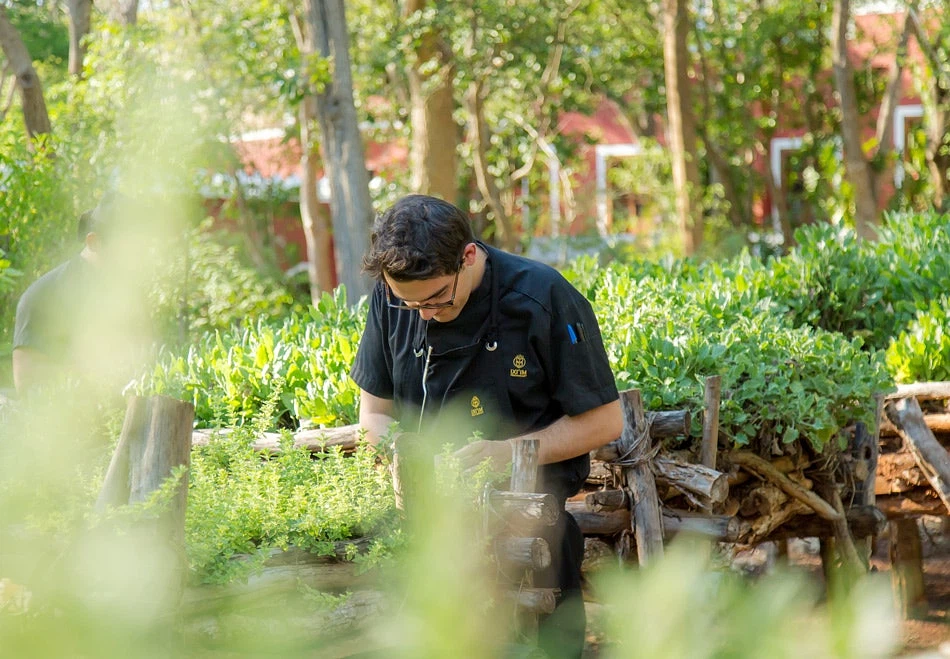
<point x="682" y="123"/>
<point x="934" y="101"/>
<point x="885" y="119"/>
<point x="316" y="228"/>
<point x="80" y="22"/>
<point x="432" y="151"/>
<point x="129" y="12"/>
<point x="856" y="164"/>
<point x="35" y="116"/>
<point x="479" y="138"/>
<point x="341" y="145"/>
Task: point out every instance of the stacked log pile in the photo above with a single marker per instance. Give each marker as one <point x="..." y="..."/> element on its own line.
<point x="913" y="472"/>
<point x="748" y="499"/>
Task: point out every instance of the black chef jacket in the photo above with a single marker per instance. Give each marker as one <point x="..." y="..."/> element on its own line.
<point x="525" y="350"/>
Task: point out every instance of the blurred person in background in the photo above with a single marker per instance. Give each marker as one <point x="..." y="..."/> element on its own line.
<point x="86" y="319"/>
<point x="460" y="330"/>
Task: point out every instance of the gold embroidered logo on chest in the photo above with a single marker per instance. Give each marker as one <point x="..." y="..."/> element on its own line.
<point x="519" y="370"/>
<point x="477" y="409"/>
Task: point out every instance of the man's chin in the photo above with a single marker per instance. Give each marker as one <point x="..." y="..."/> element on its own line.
<point x="446" y="316"/>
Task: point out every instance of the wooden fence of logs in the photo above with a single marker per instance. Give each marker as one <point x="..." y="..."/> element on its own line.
<point x="641" y="492"/>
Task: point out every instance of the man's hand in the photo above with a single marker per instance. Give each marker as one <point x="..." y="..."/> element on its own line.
<point x="499" y="452"/>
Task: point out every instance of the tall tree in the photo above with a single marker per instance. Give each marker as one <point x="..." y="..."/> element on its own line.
<point x="35" y="115"/>
<point x="682" y="122"/>
<point x="935" y="98"/>
<point x="80" y="22"/>
<point x="435" y="136"/>
<point x="341" y="144"/>
<point x="856" y="163"/>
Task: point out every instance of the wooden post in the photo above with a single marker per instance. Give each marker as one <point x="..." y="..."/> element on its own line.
<point x="155" y="442"/>
<point x="164" y="446"/>
<point x="637" y="454"/>
<point x="907" y="571"/>
<point x="115" y="485"/>
<point x="711" y="421"/>
<point x="524" y="477"/>
<point x="524" y="468"/>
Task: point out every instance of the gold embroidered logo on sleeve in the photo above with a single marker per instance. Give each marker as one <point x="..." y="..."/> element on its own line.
<point x="477" y="409"/>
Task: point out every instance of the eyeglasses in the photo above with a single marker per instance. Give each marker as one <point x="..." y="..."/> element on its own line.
<point x="416" y="306"/>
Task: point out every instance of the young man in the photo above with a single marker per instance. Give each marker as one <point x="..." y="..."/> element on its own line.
<point x="460" y="330"/>
<point x="85" y="317"/>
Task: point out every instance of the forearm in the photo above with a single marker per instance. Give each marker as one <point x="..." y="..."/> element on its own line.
<point x="571" y="436"/>
<point x="376" y="426"/>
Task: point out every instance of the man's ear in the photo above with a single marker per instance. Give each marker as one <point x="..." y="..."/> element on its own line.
<point x="92" y="241"/>
<point x="469" y="254"/>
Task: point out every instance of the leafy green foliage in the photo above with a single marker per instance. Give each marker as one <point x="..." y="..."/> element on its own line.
<point x="213" y="287"/>
<point x="780" y="383"/>
<point x="241" y="503"/>
<point x="304" y="360"/>
<point x="922" y="351"/>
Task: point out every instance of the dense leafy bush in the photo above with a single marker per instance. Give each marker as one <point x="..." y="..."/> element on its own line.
<point x="240" y="503"/>
<point x="304" y="360"/>
<point x="212" y="287"/>
<point x="780" y="383"/>
<point x="922" y="351"/>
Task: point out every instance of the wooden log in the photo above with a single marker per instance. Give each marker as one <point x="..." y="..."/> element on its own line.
<point x="606" y="500"/>
<point x="524" y="468"/>
<point x="784" y="464"/>
<point x="711" y="485"/>
<point x="275" y="580"/>
<point x="864" y="521"/>
<point x="723" y="528"/>
<point x="921" y="391"/>
<point x="911" y="504"/>
<point x="522" y="553"/>
<point x="865" y="453"/>
<point x="664" y="424"/>
<point x="529" y="506"/>
<point x="115" y="485"/>
<point x="636" y="444"/>
<point x="598" y="554"/>
<point x="907" y="573"/>
<point x="710" y="443"/>
<point x="314" y="440"/>
<point x="936" y="422"/>
<point x="762" y="527"/>
<point x="154" y="455"/>
<point x="762" y="500"/>
<point x="897" y="473"/>
<point x="535" y="601"/>
<point x="932" y="458"/>
<point x="764" y="469"/>
<point x="719" y="527"/>
<point x="844" y="543"/>
<point x="600" y="523"/>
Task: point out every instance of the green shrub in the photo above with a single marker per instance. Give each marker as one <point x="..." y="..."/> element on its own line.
<point x="780" y="383"/>
<point x="922" y="351"/>
<point x="214" y="287"/>
<point x="240" y="503"/>
<point x="304" y="360"/>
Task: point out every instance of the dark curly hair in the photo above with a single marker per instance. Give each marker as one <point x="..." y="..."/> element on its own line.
<point x="419" y="237"/>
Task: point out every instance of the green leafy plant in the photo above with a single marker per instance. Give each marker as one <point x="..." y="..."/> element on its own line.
<point x="922" y="351"/>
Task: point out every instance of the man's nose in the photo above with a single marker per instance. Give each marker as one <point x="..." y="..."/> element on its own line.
<point x="428" y="314"/>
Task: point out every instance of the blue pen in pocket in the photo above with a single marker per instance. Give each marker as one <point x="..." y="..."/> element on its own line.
<point x="571" y="333"/>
